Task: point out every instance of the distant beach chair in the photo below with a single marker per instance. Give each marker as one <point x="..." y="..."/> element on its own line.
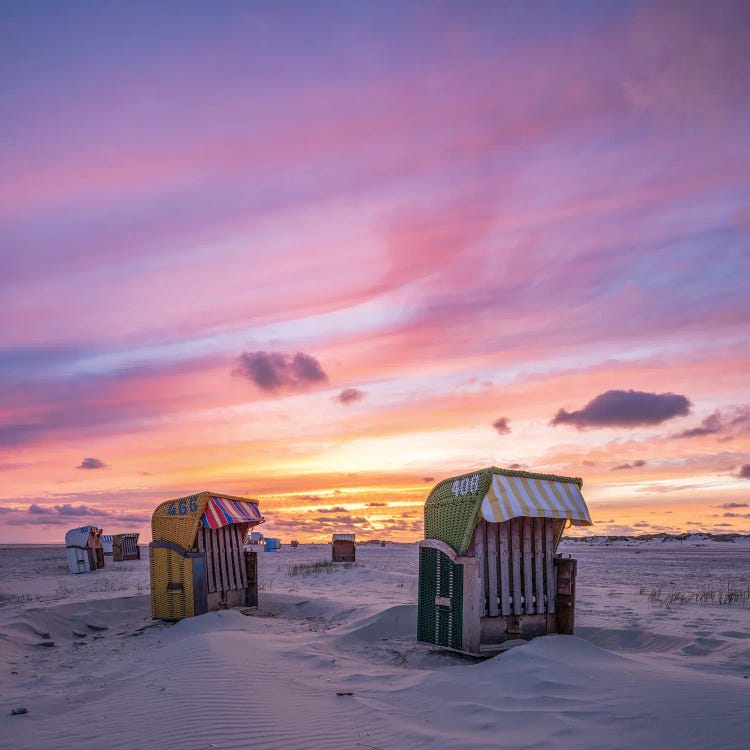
<point x="125" y="547"/>
<point x="488" y="572"/>
<point x="272" y="544"/>
<point x="107" y="540"/>
<point x="343" y="548"/>
<point x="197" y="559"/>
<point x="254" y="537"/>
<point x="84" y="549"/>
<point x="294" y="543"/>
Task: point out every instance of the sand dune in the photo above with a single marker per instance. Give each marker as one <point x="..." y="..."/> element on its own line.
<point x="638" y="674"/>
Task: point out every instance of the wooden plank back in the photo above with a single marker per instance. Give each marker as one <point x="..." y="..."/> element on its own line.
<point x="492" y="543"/>
<point x="539" y="565"/>
<point x="503" y="530"/>
<point x="225" y="564"/>
<point x="515" y="564"/>
<point x="528" y="569"/>
<point x="480" y="553"/>
<point x="549" y="566"/>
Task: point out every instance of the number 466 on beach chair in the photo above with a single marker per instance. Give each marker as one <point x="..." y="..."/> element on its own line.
<point x="488" y="572"/>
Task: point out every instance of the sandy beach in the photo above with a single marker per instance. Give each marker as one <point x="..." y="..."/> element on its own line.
<point x="330" y="659"/>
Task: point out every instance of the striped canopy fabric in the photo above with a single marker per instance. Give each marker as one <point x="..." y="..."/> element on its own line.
<point x="221" y="511"/>
<point x="513" y="496"/>
<point x="344" y="538"/>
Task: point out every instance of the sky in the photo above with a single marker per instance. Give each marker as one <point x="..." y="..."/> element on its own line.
<point x="324" y="255"/>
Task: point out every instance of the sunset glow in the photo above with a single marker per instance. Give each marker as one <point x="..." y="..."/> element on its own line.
<point x="324" y="256"/>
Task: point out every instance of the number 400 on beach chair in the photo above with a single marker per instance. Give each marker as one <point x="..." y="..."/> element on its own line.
<point x="197" y="557"/>
<point x="488" y="572"/>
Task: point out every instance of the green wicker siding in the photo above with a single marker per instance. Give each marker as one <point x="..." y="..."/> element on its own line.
<point x="426" y="614"/>
<point x="452" y="508"/>
<point x="439" y="576"/>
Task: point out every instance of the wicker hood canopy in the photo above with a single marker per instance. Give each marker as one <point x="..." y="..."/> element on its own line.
<point x="456" y="504"/>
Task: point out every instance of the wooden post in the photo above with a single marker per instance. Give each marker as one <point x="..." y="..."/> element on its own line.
<point x="251" y="568"/>
<point x="473" y="605"/>
<point x="566" y="595"/>
<point x="550" y="573"/>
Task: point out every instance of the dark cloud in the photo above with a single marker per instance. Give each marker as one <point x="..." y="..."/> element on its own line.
<point x="635" y="465"/>
<point x="730" y="506"/>
<point x="272" y="371"/>
<point x="349" y="396"/>
<point x="377" y="505"/>
<point x="625" y="409"/>
<point x="310" y="498"/>
<point x="711" y="425"/>
<point x="502" y="425"/>
<point x="516" y="467"/>
<point x="91" y="463"/>
<point x="428" y="479"/>
<point x="662" y="488"/>
<point x="343" y="520"/>
<point x="67" y="509"/>
<point x="743" y="416"/>
<point x="21" y="364"/>
<point x="19" y="434"/>
<point x="68" y="514"/>
<point x="735" y="515"/>
<point x="335" y="509"/>
<point x="744" y="472"/>
<point x="79" y="510"/>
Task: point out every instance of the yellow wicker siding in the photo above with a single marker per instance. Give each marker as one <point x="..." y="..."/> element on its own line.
<point x="169" y="567"/>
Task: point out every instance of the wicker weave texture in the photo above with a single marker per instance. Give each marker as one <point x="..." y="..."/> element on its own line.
<point x="178" y="520"/>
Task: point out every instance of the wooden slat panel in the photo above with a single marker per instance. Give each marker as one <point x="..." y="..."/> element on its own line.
<point x="228" y="551"/>
<point x="504" y="555"/>
<point x="528" y="570"/>
<point x="221" y="582"/>
<point x="480" y="555"/>
<point x="214" y="537"/>
<point x="539" y="564"/>
<point x="239" y="552"/>
<point x="226" y="560"/>
<point x="515" y="562"/>
<point x="549" y="568"/>
<point x="492" y="569"/>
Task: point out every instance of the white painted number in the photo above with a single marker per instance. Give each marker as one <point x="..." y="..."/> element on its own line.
<point x="466" y="485"/>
